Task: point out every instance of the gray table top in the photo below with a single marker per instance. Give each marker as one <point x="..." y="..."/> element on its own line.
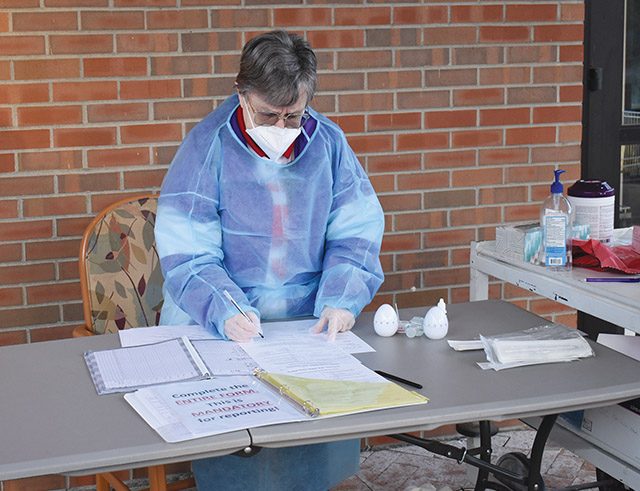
<point x="458" y="389"/>
<point x="54" y="422"/>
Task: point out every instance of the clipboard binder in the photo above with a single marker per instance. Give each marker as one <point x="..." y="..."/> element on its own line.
<point x="325" y="398"/>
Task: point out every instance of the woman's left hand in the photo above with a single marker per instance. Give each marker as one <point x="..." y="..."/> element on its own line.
<point x="338" y="320"/>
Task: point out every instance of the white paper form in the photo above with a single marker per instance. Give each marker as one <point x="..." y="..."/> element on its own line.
<point x="288" y="331"/>
<point x="224" y="357"/>
<point x="149" y="335"/>
<point x="310" y="359"/>
<point x="128" y="368"/>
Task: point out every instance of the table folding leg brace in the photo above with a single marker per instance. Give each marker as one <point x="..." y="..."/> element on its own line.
<point x="524" y="475"/>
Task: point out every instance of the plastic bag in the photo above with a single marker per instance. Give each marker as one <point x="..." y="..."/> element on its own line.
<point x="550" y="343"/>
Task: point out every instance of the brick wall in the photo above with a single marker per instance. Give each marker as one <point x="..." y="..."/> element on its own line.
<point x="458" y="110"/>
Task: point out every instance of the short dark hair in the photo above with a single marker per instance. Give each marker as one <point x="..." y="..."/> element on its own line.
<point x="279" y="66"/>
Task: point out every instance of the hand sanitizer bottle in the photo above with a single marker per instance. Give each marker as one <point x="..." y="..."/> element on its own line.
<point x="556" y="225"/>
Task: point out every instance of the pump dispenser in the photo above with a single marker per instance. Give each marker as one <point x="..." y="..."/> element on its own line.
<point x="556" y="224"/>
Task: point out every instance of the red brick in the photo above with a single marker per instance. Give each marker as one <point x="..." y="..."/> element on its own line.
<point x="10" y="253"/>
<point x="51" y="333"/>
<point x="146" y="42"/>
<point x="478" y="55"/>
<point x="63" y="159"/>
<point x="421" y="141"/>
<point x="150" y="89"/>
<point x="394" y="121"/>
<point x="421" y="260"/>
<point x="227" y="64"/>
<point x="450" y="119"/>
<point x="532" y="13"/>
<point x="572" y="12"/>
<point x="393" y="163"/>
<point x="116" y="157"/>
<point x="24" y="139"/>
<point x="571" y="53"/>
<point x="209" y="86"/>
<point x="350" y="123"/>
<point x="451" y="35"/>
<point x="83" y="137"/>
<point x="239" y="18"/>
<point x="21" y="45"/>
<point x="112" y="20"/>
<point x="185" y="109"/>
<point x="180" y="65"/>
<point x="498" y="156"/>
<point x="336" y="81"/>
<point x="21" y="93"/>
<point x="54" y="249"/>
<point x="81" y="43"/>
<point x="7" y="162"/>
<point x="115" y="67"/>
<point x="558" y="33"/>
<point x="144" y="179"/>
<point x="27" y="273"/>
<point x="360" y="16"/>
<point x="57" y="292"/>
<point x="383" y="183"/>
<point x="532" y="54"/>
<point x="563" y="153"/>
<point x="531" y="94"/>
<point x="45" y="21"/>
<point x="422" y="219"/>
<point x="448" y="276"/>
<point x="504" y="34"/>
<point x="448" y="77"/>
<point x="176" y="19"/>
<point x="450" y="198"/>
<point x="4" y="21"/>
<point x="26" y="229"/>
<point x="348" y="38"/>
<point x="6" y="117"/>
<point x="46" y="69"/>
<point x="10" y="338"/>
<point x="161" y="132"/>
<point x="85" y="91"/>
<point x="100" y="201"/>
<point x="373" y="143"/>
<point x="49" y="115"/>
<point x="401" y="202"/>
<point x="476" y="14"/>
<point x="9" y="208"/>
<point x="76" y="3"/>
<point x="476" y="138"/>
<point x="85" y="182"/>
<point x="400" y="242"/>
<point x="481" y="96"/>
<point x="529" y="173"/>
<point x="10" y="297"/>
<point x="572" y="133"/>
<point x="448" y="238"/>
<point x="508" y="75"/>
<point x="420" y="14"/>
<point x="557" y="114"/>
<point x="423" y="180"/>
<point x="531" y="135"/>
<point x="557" y="74"/>
<point x="476" y="216"/>
<point x="349" y="60"/>
<point x="505" y="116"/>
<point x="99" y="113"/>
<point x="5" y="70"/>
<point x="476" y="177"/>
<point x="366" y="102"/>
<point x="310" y="16"/>
<point x="544" y="306"/>
<point x="70" y="227"/>
<point x="449" y="159"/>
<point x="60" y="205"/>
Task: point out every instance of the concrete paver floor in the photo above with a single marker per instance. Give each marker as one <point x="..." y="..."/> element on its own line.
<point x="411" y="468"/>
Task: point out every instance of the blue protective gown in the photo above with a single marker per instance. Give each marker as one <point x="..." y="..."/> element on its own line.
<point x="285" y="241"/>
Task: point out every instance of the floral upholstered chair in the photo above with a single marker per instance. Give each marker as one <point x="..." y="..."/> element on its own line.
<point x="120" y="269"/>
<point x="121" y="284"/>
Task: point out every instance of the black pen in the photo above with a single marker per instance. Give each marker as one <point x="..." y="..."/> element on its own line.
<point x="398" y="379"/>
<point x="244" y="314"/>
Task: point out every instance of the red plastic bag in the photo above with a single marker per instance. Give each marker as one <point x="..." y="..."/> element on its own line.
<point x="595" y="255"/>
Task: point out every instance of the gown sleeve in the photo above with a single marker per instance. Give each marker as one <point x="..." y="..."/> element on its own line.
<point x="351" y="273"/>
<point x="189" y="235"/>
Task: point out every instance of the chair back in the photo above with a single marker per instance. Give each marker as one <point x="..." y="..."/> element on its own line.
<point x="120" y="271"/>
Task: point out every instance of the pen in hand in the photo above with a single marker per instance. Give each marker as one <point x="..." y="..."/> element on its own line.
<point x="398" y="379"/>
<point x="244" y="314"/>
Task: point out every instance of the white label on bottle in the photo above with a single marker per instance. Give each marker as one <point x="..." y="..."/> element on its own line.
<point x="555" y="240"/>
<point x="598" y="213"/>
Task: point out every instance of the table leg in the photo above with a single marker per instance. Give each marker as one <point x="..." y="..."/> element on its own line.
<point x="157" y="478"/>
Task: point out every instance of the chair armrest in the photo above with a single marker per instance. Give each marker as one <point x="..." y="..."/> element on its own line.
<point x="82" y="331"/>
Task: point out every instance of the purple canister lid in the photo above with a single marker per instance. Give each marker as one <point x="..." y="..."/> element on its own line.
<point x="590" y="188"/>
